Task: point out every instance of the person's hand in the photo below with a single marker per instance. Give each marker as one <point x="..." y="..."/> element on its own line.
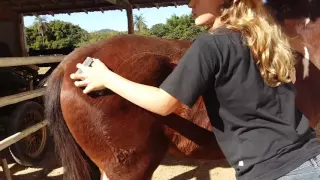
<point x="93" y="78"/>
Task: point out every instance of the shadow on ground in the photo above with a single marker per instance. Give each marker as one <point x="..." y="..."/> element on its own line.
<point x="183" y="169"/>
<point x="171" y="168"/>
<point x="48" y="169"/>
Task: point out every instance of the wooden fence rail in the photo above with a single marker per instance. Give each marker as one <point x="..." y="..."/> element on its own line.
<point x="22" y="61"/>
<point x="20" y="97"/>
<point x="16" y="98"/>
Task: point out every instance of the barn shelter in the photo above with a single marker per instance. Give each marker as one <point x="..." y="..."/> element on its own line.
<point x="24" y="70"/>
<point x="12" y="12"/>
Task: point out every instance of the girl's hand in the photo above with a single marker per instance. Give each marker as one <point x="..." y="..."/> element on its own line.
<point x="93" y="78"/>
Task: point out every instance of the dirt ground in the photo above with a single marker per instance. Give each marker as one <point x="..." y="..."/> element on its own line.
<point x="170" y="169"/>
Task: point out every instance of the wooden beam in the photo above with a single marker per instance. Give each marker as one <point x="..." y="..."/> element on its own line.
<point x="22" y="61"/>
<point x="56" y="2"/>
<point x="102" y="10"/>
<point x="124" y="3"/>
<point x="20" y="135"/>
<point x="175" y="4"/>
<point x="16" y="98"/>
<point x="8" y="15"/>
<point x="15" y="3"/>
<point x="67" y="7"/>
<point x="157" y="5"/>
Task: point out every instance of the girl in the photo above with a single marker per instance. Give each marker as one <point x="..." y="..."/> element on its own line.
<point x="243" y="70"/>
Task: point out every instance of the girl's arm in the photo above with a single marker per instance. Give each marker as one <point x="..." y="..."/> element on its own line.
<point x="150" y="98"/>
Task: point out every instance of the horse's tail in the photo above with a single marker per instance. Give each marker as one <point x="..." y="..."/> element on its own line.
<point x="77" y="166"/>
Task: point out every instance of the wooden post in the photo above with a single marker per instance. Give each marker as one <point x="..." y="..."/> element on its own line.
<point x="130" y="20"/>
<point x="7" y="15"/>
<point x="22" y="39"/>
<point x="6" y="169"/>
<point x="13" y="38"/>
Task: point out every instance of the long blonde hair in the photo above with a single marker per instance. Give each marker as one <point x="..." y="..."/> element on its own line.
<point x="269" y="45"/>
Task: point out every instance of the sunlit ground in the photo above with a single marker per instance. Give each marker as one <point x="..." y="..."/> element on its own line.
<point x="171" y="169"/>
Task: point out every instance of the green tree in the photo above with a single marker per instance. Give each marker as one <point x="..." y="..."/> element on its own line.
<point x="42" y="27"/>
<point x="58" y="35"/>
<point x="159" y="30"/>
<point x="139" y="23"/>
<point x="177" y="27"/>
<point x="65" y="34"/>
<point x="98" y="36"/>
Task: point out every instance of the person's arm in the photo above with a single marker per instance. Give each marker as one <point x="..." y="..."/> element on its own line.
<point x="150" y="98"/>
<point x="100" y="77"/>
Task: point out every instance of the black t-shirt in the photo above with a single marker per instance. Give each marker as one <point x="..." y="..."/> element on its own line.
<point x="261" y="132"/>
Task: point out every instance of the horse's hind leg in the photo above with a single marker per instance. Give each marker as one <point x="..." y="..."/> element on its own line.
<point x="139" y="165"/>
<point x="139" y="171"/>
<point x="104" y="177"/>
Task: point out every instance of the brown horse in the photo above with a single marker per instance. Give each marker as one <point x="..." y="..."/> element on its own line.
<point x="127" y="142"/>
<point x="300" y="20"/>
<point x="123" y="140"/>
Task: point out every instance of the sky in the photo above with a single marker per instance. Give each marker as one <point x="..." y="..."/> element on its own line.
<point x="116" y="20"/>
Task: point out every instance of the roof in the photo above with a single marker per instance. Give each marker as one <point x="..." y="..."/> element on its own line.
<point x="44" y="7"/>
